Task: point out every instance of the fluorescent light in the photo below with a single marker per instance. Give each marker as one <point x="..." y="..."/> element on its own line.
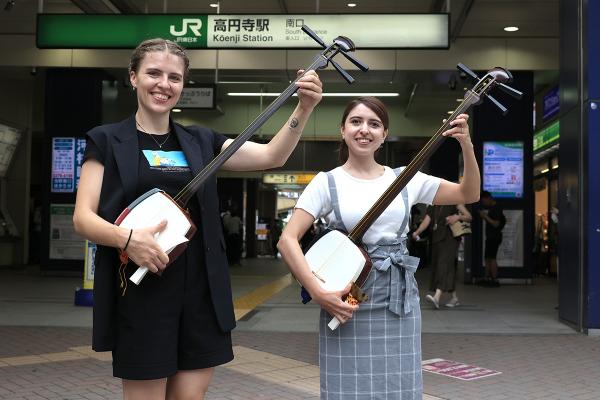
<point x="176" y="110"/>
<point x="511" y="28"/>
<point x="450" y="112"/>
<point x="274" y="94"/>
<point x="544" y="171"/>
<point x="214" y="5"/>
<point x="351" y="4"/>
<point x="555" y="166"/>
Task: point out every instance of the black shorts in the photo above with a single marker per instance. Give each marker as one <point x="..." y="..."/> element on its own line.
<point x="491" y="247"/>
<point x="168" y="322"/>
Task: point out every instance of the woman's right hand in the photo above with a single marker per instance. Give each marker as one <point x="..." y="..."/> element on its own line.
<point x="144" y="250"/>
<point x="332" y="303"/>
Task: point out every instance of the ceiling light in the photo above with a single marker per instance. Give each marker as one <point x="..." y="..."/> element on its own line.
<point x="351" y="4"/>
<point x="214" y="5"/>
<point x="450" y="112"/>
<point x="511" y="28"/>
<point x="176" y="110"/>
<point x="274" y="94"/>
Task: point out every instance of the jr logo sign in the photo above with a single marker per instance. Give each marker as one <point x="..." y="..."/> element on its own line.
<point x="194" y="24"/>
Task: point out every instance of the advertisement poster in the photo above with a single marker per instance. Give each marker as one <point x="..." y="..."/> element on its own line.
<point x="503" y="169"/>
<point x="455" y="369"/>
<point x="9" y="139"/>
<point x="510" y="252"/>
<point x="65" y="244"/>
<point x="67" y="157"/>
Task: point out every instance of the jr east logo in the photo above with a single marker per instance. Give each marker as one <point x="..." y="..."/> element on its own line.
<point x="193" y="24"/>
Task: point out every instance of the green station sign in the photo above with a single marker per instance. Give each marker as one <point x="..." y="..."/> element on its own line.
<point x="545" y="136"/>
<point x="269" y="31"/>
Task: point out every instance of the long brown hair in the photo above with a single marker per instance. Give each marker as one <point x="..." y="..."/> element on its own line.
<point x="372" y="103"/>
<point x="158" y="44"/>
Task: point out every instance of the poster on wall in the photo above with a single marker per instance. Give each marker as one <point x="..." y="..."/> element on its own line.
<point x="510" y="252"/>
<point x="65" y="244"/>
<point x="503" y="169"/>
<point x="9" y="139"/>
<point x="67" y="157"/>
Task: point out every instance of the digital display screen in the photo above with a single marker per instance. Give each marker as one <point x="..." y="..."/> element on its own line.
<point x="503" y="169"/>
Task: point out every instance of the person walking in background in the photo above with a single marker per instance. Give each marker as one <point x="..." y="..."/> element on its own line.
<point x="444" y="250"/>
<point x="275" y="233"/>
<point x="233" y="237"/>
<point x="376" y="352"/>
<point x="495" y="220"/>
<point x="168" y="333"/>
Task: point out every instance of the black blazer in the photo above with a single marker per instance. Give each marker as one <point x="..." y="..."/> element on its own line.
<point x="118" y="143"/>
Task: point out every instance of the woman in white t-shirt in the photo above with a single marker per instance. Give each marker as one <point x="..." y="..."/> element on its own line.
<point x="376" y="352"/>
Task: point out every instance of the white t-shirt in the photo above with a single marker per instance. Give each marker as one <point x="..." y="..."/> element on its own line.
<point x="356" y="196"/>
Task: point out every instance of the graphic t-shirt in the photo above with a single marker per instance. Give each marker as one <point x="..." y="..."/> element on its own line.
<point x="356" y="196"/>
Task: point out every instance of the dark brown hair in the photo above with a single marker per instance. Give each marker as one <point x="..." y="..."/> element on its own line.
<point x="372" y="103"/>
<point x="158" y="44"/>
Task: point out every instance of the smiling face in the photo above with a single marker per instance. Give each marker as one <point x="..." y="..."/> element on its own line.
<point x="158" y="81"/>
<point x="363" y="131"/>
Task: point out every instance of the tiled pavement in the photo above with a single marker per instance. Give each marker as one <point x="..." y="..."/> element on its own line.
<point x="55" y="362"/>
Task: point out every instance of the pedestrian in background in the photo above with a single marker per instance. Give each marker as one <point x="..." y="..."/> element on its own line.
<point x="494" y="218"/>
<point x="444" y="248"/>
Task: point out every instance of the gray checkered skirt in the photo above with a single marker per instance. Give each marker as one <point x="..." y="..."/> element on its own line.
<point x="377" y="354"/>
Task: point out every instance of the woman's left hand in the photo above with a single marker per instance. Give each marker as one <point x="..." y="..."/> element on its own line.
<point x="460" y="129"/>
<point x="310" y="90"/>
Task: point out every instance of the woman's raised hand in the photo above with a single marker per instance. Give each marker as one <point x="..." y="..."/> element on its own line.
<point x="310" y="90"/>
<point x="459" y="129"/>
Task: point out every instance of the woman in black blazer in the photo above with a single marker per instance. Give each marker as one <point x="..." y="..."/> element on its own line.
<point x="167" y="334"/>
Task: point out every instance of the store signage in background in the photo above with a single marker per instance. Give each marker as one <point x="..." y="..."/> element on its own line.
<point x="269" y="31"/>
<point x="551" y="103"/>
<point x="67" y="157"/>
<point x="197" y="97"/>
<point x="546" y="136"/>
<point x="289" y="179"/>
<point x="9" y="139"/>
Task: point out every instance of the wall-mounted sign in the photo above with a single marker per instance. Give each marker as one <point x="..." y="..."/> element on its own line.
<point x="549" y="134"/>
<point x="269" y="31"/>
<point x="9" y="138"/>
<point x="65" y="243"/>
<point x="197" y="97"/>
<point x="290" y="179"/>
<point x="551" y="103"/>
<point x="67" y="157"/>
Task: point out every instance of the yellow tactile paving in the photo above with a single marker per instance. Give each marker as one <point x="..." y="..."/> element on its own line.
<point x="64" y="356"/>
<point x="244" y="304"/>
<point x="88" y="352"/>
<point x="24" y="360"/>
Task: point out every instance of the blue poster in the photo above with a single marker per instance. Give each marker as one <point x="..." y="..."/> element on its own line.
<point x="503" y="169"/>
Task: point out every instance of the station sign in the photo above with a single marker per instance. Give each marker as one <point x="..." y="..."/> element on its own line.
<point x="252" y="31"/>
<point x="289" y="179"/>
